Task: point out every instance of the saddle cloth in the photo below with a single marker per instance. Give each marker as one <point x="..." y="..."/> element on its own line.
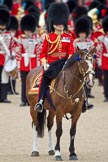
<point x="36" y="82"/>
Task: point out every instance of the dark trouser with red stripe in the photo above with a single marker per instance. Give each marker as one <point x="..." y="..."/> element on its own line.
<point x="1" y="67"/>
<point x="105" y="83"/>
<point x="23" y="86"/>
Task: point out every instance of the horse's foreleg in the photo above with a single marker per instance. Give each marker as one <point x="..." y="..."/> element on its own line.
<point x="49" y="126"/>
<point x="35" y="150"/>
<point x="58" y="135"/>
<point x="72" y="155"/>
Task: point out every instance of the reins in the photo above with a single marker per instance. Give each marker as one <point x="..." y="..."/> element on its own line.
<point x="66" y="91"/>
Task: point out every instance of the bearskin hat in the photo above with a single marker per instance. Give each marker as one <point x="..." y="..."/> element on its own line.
<point x="105" y="24"/>
<point x="8" y="3"/>
<point x="3" y="7"/>
<point x="13" y="24"/>
<point x="47" y="3"/>
<point x="28" y="22"/>
<point x="82" y="25"/>
<point x="71" y="4"/>
<point x="35" y="11"/>
<point x="78" y="12"/>
<point x="90" y="20"/>
<point x="4" y="17"/>
<point x="58" y="14"/>
<point x="94" y="4"/>
<point x="27" y="3"/>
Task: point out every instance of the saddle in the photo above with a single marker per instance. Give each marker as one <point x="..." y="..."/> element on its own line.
<point x="36" y="82"/>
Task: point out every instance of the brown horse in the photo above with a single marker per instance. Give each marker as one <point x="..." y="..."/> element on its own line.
<point x="67" y="97"/>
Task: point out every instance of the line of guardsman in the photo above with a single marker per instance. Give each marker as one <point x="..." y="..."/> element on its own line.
<point x="24" y="26"/>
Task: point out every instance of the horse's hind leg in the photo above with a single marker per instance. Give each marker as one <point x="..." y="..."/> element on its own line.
<point x="50" y="120"/>
<point x="35" y="150"/>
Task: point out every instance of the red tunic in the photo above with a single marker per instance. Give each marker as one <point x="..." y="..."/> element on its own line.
<point x="6" y="38"/>
<point x="85" y="44"/>
<point x="14" y="48"/>
<point x="97" y="36"/>
<point x="102" y="52"/>
<point x="63" y="49"/>
<point x="29" y="53"/>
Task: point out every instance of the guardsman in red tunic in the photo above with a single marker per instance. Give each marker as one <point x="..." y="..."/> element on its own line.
<point x="82" y="29"/>
<point x="102" y="51"/>
<point x="4" y="53"/>
<point x="57" y="47"/>
<point x="28" y="44"/>
<point x="97" y="12"/>
<point x="13" y="29"/>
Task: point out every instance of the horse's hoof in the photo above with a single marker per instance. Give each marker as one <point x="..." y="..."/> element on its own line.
<point x="58" y="158"/>
<point x="73" y="157"/>
<point x="34" y="154"/>
<point x="51" y="152"/>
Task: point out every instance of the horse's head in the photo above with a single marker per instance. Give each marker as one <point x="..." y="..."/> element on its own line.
<point x="89" y="58"/>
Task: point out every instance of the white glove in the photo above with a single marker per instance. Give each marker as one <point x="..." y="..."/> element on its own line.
<point x="46" y="66"/>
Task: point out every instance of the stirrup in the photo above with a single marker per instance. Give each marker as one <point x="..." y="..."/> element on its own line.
<point x="39" y="106"/>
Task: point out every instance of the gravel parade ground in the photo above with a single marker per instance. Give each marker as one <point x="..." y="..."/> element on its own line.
<point x="16" y="134"/>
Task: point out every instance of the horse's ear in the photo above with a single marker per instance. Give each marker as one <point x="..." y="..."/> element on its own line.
<point x="93" y="50"/>
<point x="79" y="50"/>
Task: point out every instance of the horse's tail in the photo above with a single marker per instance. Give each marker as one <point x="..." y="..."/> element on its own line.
<point x="41" y="117"/>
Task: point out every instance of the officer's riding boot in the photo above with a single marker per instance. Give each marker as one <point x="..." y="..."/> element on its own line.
<point x="86" y="106"/>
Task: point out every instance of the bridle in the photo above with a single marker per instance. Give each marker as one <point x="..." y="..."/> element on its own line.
<point x="73" y="98"/>
<point x="89" y="59"/>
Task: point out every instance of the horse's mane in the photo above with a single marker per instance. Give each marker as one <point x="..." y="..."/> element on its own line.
<point x="67" y="64"/>
<point x="71" y="60"/>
